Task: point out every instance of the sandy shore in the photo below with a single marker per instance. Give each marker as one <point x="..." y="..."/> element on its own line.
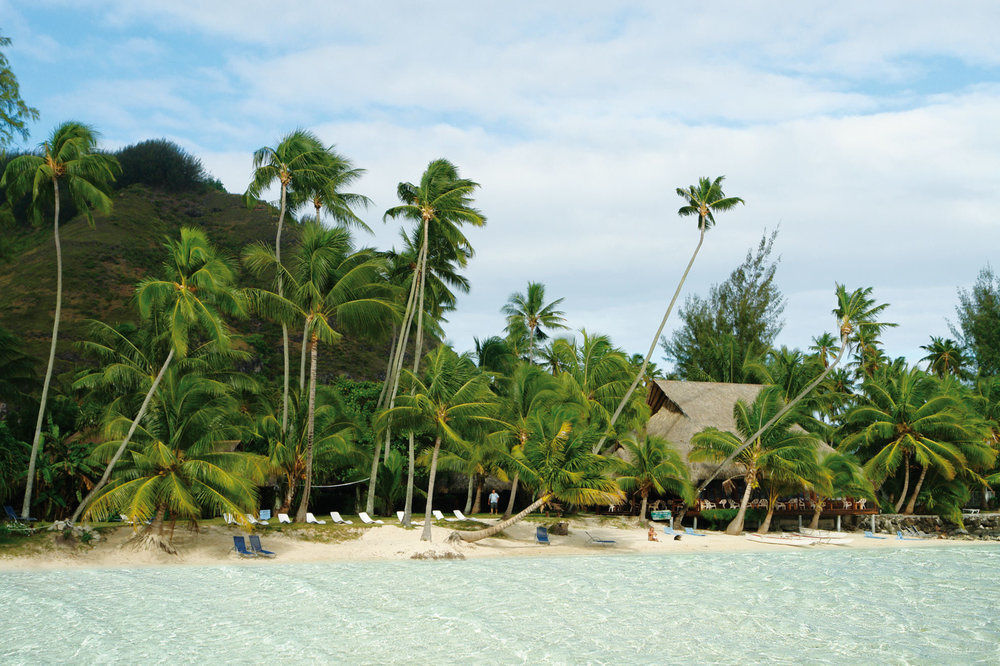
<point x="311" y="543"/>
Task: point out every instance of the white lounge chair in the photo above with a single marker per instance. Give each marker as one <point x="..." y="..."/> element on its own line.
<point x="311" y="519"/>
<point x="335" y="517"/>
<point x="283" y="518"/>
<point x="440" y="516"/>
<point x="254" y="521"/>
<point x="367" y="520"/>
<point x="461" y="516"/>
<point x="400" y="514"/>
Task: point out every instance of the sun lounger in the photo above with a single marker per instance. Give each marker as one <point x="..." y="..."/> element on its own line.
<point x="367" y="520"/>
<point x="311" y="519"/>
<point x="688" y="530"/>
<point x="542" y="534"/>
<point x="461" y="516"/>
<point x="335" y="517"/>
<point x="440" y="516"/>
<point x="400" y="514"/>
<point x="599" y="541"/>
<point x="254" y="521"/>
<point x="283" y="518"/>
<point x="240" y="546"/>
<point x="900" y="537"/>
<point x="870" y="535"/>
<point x="670" y="531"/>
<point x="13" y="515"/>
<point x="257" y="548"/>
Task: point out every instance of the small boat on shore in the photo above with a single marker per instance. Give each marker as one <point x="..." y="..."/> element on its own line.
<point x="827" y="537"/>
<point x="783" y="539"/>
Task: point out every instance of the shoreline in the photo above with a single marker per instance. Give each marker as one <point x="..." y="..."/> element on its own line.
<point x="298" y="544"/>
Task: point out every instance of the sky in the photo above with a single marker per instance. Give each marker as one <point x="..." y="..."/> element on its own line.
<point x="866" y="131"/>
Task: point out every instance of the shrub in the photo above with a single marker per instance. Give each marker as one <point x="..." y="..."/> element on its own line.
<point x="163" y="164"/>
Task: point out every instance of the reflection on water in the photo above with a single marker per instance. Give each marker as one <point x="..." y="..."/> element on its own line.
<point x="914" y="605"/>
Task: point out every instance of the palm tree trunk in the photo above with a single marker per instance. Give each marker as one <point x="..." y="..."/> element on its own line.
<point x="513" y="492"/>
<point x="477" y="506"/>
<point x="781" y="412"/>
<point x="302" y="357"/>
<point x="492" y="530"/>
<point x="906" y="482"/>
<point x="128" y="437"/>
<point x="37" y="439"/>
<point x="911" y="505"/>
<point x="817" y="512"/>
<point x="736" y="526"/>
<point x="426" y="535"/>
<point x="410" y="473"/>
<point x="417" y="348"/>
<point x="300" y="516"/>
<point x="289" y="496"/>
<point x="642" y="506"/>
<point x="652" y="346"/>
<point x="766" y="525"/>
<point x="468" y="493"/>
<point x="388" y="369"/>
<point x="284" y="326"/>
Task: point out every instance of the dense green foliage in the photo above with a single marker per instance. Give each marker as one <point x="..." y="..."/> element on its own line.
<point x="14" y="112"/>
<point x="978" y="326"/>
<point x="162" y="164"/>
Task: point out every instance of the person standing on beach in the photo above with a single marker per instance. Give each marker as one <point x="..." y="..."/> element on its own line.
<point x="494" y="502"/>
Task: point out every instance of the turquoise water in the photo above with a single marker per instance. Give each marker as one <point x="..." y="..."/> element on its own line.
<point x="885" y="606"/>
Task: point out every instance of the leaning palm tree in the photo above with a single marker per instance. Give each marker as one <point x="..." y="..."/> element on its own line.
<point x="332" y="289"/>
<point x="192" y="299"/>
<point x="945" y="357"/>
<point x="778" y="447"/>
<point x="650" y="465"/>
<point x="299" y="158"/>
<point x="704" y="200"/>
<point x="528" y="314"/>
<point x="67" y="159"/>
<point x="450" y="400"/>
<point x="557" y="463"/>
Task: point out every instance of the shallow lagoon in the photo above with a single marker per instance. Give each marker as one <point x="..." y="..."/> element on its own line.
<point x="917" y="605"/>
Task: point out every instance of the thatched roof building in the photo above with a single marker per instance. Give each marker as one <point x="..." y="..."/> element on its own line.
<point x="681" y="409"/>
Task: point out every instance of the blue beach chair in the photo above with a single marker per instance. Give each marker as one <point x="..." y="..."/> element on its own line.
<point x="669" y="531"/>
<point x="12" y="515"/>
<point x="869" y="535"/>
<point x="542" y="534"/>
<point x="688" y="530"/>
<point x="240" y="546"/>
<point x="258" y="549"/>
<point x="599" y="541"/>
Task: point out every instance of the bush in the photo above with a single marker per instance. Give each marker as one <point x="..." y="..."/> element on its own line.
<point x="163" y="164"/>
<point x="719" y="518"/>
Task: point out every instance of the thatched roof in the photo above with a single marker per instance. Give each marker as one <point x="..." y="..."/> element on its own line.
<point x="681" y="409"/>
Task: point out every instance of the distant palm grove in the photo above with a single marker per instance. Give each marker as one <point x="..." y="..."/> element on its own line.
<point x="208" y="395"/>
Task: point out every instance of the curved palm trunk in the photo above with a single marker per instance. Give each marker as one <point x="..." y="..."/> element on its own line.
<point x="468" y="493"/>
<point x="906" y="482"/>
<point x="284" y="326"/>
<point x="286" y="504"/>
<point x="513" y="493"/>
<point x="493" y="530"/>
<point x="302" y="357"/>
<point x="477" y="506"/>
<point x="154" y="536"/>
<point x="417" y="348"/>
<point x="736" y="525"/>
<point x="128" y="438"/>
<point x="911" y="505"/>
<point x="817" y="512"/>
<point x="388" y="369"/>
<point x="426" y="534"/>
<point x="37" y="439"/>
<point x="652" y="346"/>
<point x="300" y="515"/>
<point x="765" y="527"/>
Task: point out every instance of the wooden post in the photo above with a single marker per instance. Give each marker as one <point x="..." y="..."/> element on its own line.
<point x="873" y="523"/>
<point x="838" y="522"/>
<point x="695" y="522"/>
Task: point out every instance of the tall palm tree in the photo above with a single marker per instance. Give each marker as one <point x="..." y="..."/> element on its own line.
<point x="528" y="314"/>
<point x="180" y="462"/>
<point x="192" y="299"/>
<point x="651" y="464"/>
<point x="904" y="418"/>
<point x="321" y="188"/>
<point x="945" y="357"/>
<point x="703" y="200"/>
<point x="449" y="400"/>
<point x="557" y="462"/>
<point x="299" y="159"/>
<point x="441" y="203"/>
<point x="68" y="158"/>
<point x="779" y="446"/>
<point x="333" y="289"/>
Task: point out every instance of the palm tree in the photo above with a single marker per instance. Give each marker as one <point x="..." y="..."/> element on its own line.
<point x="704" y="200"/>
<point x="180" y="462"/>
<point x="904" y="418"/>
<point x="528" y="313"/>
<point x="778" y="447"/>
<point x="825" y="347"/>
<point x="944" y="357"/>
<point x="69" y="159"/>
<point x="297" y="160"/>
<point x="330" y="287"/>
<point x="193" y="298"/>
<point x="449" y="400"/>
<point x="838" y="475"/>
<point x="651" y="464"/>
<point x="322" y="186"/>
<point x="441" y="203"/>
<point x="557" y="462"/>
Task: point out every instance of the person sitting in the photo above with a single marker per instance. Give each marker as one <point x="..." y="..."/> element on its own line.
<point x="651" y="535"/>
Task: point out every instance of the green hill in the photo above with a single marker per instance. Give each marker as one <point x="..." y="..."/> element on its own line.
<point x="102" y="264"/>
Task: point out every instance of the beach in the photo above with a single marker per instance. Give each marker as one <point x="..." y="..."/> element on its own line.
<point x="213" y="542"/>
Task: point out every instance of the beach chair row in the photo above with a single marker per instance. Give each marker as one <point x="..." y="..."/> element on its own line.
<point x="283" y="518"/>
